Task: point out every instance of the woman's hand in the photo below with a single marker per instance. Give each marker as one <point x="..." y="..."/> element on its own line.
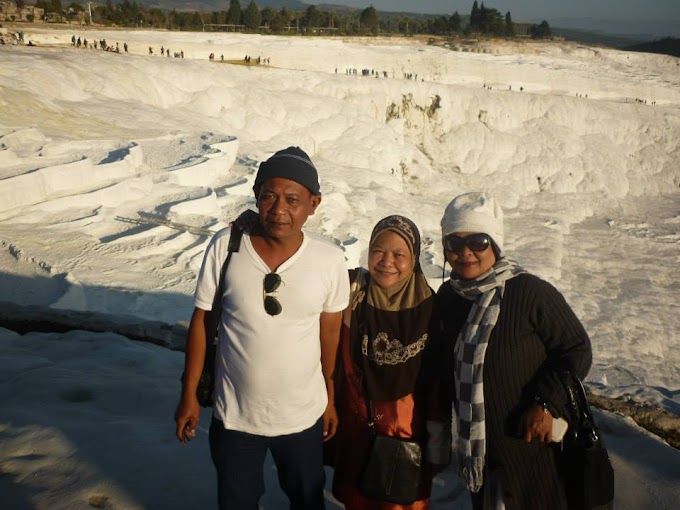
<point x="536" y="423"/>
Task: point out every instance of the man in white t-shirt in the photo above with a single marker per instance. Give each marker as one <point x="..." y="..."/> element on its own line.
<point x="285" y="290"/>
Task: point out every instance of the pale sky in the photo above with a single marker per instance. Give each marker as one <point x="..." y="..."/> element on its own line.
<point x="530" y="9"/>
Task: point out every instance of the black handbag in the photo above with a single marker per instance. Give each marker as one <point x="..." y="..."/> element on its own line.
<point x="206" y="383"/>
<point x="392" y="470"/>
<point x="584" y="460"/>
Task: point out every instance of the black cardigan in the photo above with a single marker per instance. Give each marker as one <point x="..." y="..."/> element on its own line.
<point x="536" y="335"/>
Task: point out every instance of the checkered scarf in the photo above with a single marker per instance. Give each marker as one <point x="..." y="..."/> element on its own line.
<point x="487" y="292"/>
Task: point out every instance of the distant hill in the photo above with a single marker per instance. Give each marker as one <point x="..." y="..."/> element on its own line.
<point x="594" y="37"/>
<point x="292" y="5"/>
<point x="666" y="46"/>
<point x="222" y="5"/>
<point x="640" y="30"/>
<point x="295" y="5"/>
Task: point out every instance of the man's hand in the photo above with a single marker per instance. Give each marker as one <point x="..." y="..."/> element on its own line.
<point x="330" y="422"/>
<point x="188" y="410"/>
<point x="536" y="423"/>
<point x="186" y="418"/>
<point x="329" y="325"/>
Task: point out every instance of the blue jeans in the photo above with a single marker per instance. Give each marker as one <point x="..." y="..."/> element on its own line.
<point x="239" y="460"/>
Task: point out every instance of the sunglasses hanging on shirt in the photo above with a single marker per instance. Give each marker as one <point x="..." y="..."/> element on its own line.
<point x="271" y="282"/>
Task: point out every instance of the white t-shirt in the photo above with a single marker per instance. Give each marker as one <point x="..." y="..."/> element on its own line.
<point x="268" y="368"/>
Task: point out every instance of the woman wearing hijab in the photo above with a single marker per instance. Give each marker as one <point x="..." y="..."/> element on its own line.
<point x="509" y="334"/>
<point x="386" y="357"/>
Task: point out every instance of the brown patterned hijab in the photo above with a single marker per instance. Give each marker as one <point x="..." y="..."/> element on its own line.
<point x="389" y="326"/>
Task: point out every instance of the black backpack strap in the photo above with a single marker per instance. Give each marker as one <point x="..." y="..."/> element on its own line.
<point x="234" y="245"/>
<point x="234" y="240"/>
<point x="212" y="318"/>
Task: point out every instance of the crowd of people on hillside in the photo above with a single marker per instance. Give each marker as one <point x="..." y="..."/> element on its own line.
<point x="259" y="60"/>
<point x="248" y="60"/>
<point x="165" y="52"/>
<point x="642" y="101"/>
<point x="353" y="71"/>
<point x="101" y="44"/>
<point x="79" y="42"/>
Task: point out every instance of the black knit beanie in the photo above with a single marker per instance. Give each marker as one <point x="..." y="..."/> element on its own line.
<point x="292" y="163"/>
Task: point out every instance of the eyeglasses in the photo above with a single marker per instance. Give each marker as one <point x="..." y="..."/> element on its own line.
<point x="476" y="242"/>
<point x="272" y="281"/>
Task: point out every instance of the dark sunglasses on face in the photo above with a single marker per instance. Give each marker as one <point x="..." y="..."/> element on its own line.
<point x="271" y="282"/>
<point x="476" y="242"/>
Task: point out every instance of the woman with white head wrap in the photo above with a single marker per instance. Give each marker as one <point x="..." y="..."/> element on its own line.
<point x="509" y="334"/>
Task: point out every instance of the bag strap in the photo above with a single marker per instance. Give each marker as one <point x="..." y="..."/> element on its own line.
<point x="234" y="244"/>
<point x="588" y="422"/>
<point x="585" y="428"/>
<point x="364" y="387"/>
<point x="369" y="405"/>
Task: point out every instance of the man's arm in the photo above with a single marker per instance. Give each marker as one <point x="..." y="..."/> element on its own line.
<point x="330" y="338"/>
<point x="188" y="409"/>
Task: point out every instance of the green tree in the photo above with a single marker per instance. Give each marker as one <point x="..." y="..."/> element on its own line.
<point x="486" y="20"/>
<point x="234" y="12"/>
<point x="494" y="22"/>
<point x="439" y="26"/>
<point x="196" y="21"/>
<point x="172" y="19"/>
<point x="455" y="22"/>
<point x="281" y="21"/>
<point x="329" y="19"/>
<point x="251" y="17"/>
<point x="127" y="13"/>
<point x="181" y="21"/>
<point x="509" y="25"/>
<point x="405" y="26"/>
<point x="267" y="16"/>
<point x="156" y="18"/>
<point x="109" y="12"/>
<point x="56" y="6"/>
<point x="312" y="17"/>
<point x="541" y="31"/>
<point x="475" y="20"/>
<point x="369" y="20"/>
<point x="20" y="4"/>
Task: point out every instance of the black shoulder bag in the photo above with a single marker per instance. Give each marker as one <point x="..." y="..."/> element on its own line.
<point x="585" y="464"/>
<point x="392" y="470"/>
<point x="206" y="384"/>
<point x="393" y="467"/>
